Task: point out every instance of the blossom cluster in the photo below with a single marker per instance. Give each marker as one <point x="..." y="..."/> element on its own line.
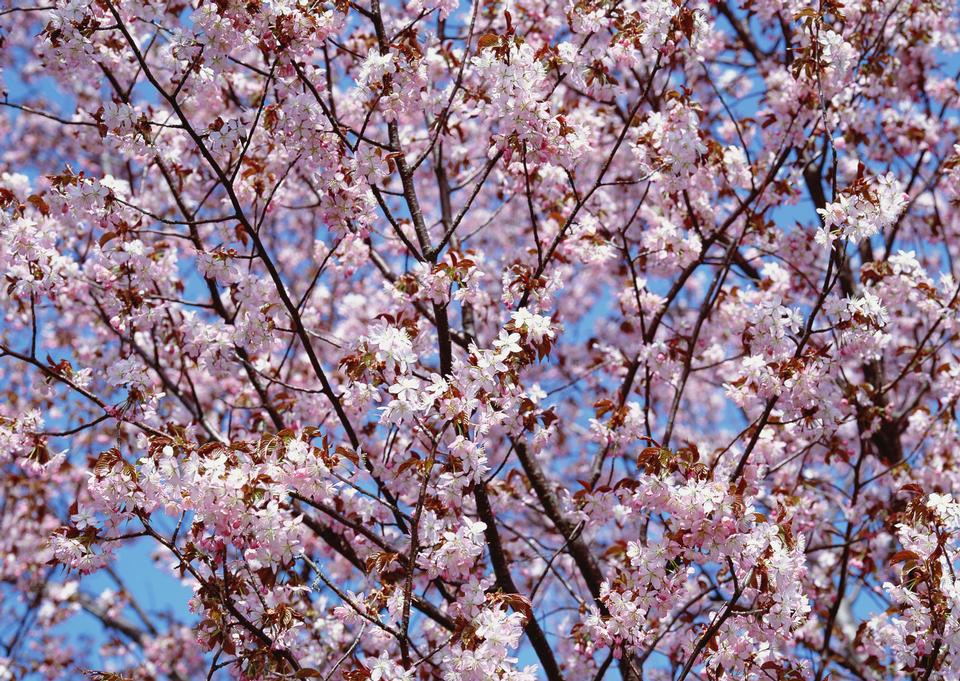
<point x="436" y="340"/>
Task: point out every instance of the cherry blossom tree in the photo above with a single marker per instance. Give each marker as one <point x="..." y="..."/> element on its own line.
<point x="470" y="341"/>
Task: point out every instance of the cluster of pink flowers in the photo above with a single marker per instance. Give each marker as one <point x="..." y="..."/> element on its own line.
<point x="435" y="340"/>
